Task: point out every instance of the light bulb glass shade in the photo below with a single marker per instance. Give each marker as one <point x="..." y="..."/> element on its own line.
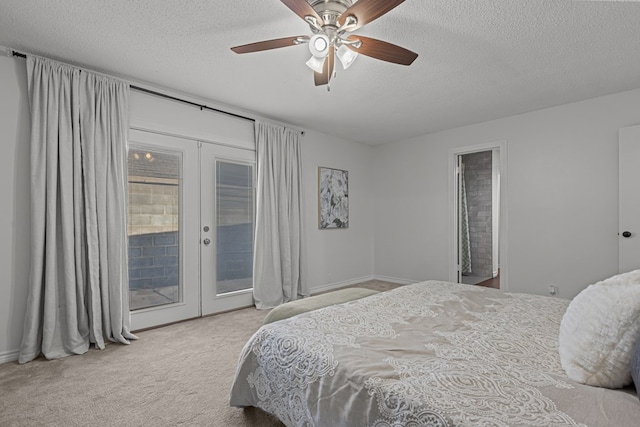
<point x="346" y="56"/>
<point x="316" y="64"/>
<point x="319" y="45"/>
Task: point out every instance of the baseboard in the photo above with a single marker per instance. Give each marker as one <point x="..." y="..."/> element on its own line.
<point x="9" y="356"/>
<point x="395" y="280"/>
<point x="336" y="285"/>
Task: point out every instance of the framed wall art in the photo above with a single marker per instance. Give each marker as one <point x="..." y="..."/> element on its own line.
<point x="333" y="198"/>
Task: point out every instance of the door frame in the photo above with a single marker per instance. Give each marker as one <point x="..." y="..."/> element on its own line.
<point x="628" y="153"/>
<point x="453" y="207"/>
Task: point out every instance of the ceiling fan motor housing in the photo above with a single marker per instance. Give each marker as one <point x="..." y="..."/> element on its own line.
<point x="330" y="10"/>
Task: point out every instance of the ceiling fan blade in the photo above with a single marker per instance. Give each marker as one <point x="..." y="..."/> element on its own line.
<point x="383" y="50"/>
<point x="366" y="11"/>
<point x="269" y="44"/>
<point x="302" y="9"/>
<point x="325" y="77"/>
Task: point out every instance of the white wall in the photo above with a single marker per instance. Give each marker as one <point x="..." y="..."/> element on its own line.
<point x="14" y="211"/>
<point x="562" y="196"/>
<point x="339" y="256"/>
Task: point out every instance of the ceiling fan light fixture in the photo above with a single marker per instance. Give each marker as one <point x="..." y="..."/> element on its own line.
<point x="332" y="23"/>
<point x="346" y="56"/>
<point x="316" y="63"/>
<point x="319" y="45"/>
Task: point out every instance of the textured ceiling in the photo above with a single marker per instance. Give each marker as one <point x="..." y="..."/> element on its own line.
<point x="479" y="59"/>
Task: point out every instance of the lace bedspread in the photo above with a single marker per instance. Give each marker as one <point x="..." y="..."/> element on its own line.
<point x="429" y="354"/>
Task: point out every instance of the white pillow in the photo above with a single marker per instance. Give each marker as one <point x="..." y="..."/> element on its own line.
<point x="598" y="332"/>
<point x="635" y="366"/>
<point x="622" y="278"/>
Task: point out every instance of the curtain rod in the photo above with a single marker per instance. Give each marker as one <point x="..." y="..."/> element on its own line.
<point x="195" y="104"/>
<point x="163" y="95"/>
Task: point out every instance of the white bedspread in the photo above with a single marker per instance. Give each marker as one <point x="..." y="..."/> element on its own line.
<point x="428" y="354"/>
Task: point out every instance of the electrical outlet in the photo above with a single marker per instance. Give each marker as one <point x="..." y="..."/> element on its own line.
<point x="553" y="290"/>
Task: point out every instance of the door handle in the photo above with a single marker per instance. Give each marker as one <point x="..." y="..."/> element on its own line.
<point x="626" y="234"/>
<point x="207" y="242"/>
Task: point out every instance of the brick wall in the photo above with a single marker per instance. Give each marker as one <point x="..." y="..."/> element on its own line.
<point x="478" y="170"/>
<point x="153" y="260"/>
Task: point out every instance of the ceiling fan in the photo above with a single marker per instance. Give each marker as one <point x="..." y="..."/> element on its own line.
<point x="331" y="22"/>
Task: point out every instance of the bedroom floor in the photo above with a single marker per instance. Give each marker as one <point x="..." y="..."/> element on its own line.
<point x="177" y="374"/>
<point x="472" y="279"/>
<point x="487" y="282"/>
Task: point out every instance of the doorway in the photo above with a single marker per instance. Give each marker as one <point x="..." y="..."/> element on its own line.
<point x="629" y="204"/>
<point x="477" y="200"/>
<point x="190" y="228"/>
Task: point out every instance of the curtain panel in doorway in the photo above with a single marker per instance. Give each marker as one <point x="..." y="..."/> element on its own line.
<point x="465" y="243"/>
<point x="78" y="279"/>
<point x="279" y="266"/>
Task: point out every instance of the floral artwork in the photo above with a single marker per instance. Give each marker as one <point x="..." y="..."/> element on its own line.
<point x="333" y="193"/>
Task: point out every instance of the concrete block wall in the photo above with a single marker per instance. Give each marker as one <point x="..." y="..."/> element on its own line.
<point x="153" y="235"/>
<point x="153" y="208"/>
<point x="153" y="260"/>
<point x="478" y="169"/>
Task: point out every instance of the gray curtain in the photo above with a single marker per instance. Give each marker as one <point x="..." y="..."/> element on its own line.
<point x="78" y="284"/>
<point x="465" y="244"/>
<point x="279" y="265"/>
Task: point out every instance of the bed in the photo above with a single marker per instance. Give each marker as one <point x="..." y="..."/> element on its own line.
<point x="428" y="354"/>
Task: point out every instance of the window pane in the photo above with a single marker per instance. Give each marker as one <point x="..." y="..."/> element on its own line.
<point x="153" y="227"/>
<point x="234" y="221"/>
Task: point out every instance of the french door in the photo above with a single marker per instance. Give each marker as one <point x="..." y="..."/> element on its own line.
<point x="227" y="190"/>
<point x="190" y="227"/>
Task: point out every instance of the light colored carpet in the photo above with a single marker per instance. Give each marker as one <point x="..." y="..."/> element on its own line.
<point x="176" y="375"/>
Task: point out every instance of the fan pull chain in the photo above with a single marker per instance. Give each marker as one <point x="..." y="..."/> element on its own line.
<point x="335" y="74"/>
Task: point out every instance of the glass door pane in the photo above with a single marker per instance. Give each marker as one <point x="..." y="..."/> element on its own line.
<point x="234" y="227"/>
<point x="153" y="227"/>
<point x="164" y="208"/>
